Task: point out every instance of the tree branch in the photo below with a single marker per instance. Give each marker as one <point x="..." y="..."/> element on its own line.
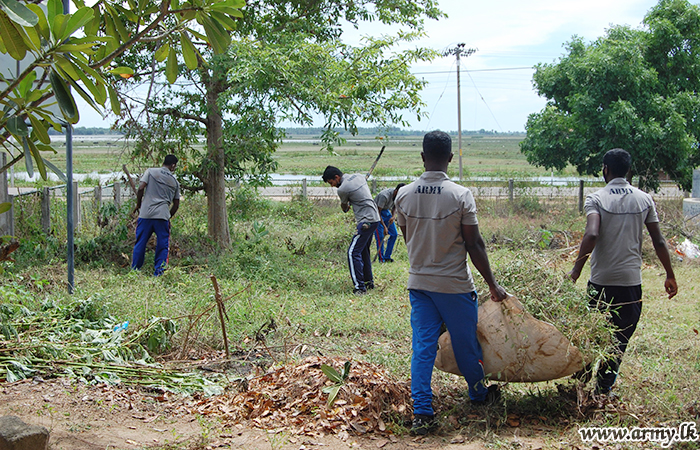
<point x="180" y="115"/>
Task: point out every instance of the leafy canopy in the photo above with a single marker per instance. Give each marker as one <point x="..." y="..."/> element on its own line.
<point x="635" y="89"/>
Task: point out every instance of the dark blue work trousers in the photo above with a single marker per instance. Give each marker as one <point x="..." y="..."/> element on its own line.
<point x="359" y="261"/>
<point x="144" y="229"/>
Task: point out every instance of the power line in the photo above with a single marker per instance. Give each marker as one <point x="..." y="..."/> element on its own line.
<point x="474" y="70"/>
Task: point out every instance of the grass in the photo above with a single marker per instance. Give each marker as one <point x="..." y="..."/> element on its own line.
<point x="497" y="156"/>
<point x="289" y="296"/>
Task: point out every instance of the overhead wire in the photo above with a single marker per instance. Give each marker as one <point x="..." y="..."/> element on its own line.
<point x="440" y="97"/>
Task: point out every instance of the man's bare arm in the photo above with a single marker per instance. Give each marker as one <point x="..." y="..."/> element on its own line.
<point x="662" y="252"/>
<point x="590" y="237"/>
<point x="477" y="252"/>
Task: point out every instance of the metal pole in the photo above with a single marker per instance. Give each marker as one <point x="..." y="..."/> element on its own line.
<point x="459" y="51"/>
<point x="459" y="119"/>
<point x="70" y="225"/>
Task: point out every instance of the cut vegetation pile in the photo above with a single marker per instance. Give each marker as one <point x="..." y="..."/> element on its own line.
<point x="300" y="399"/>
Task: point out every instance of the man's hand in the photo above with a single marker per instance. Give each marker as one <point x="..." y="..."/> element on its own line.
<point x="574" y="275"/>
<point x="671" y="287"/>
<point x="498" y="294"/>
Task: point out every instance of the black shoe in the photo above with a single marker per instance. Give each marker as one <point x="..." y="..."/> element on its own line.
<point x="493" y="396"/>
<point x="359" y="292"/>
<point x="369" y="285"/>
<point x="422" y="424"/>
<point x="388" y="260"/>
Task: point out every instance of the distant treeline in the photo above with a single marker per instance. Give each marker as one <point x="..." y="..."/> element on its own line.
<point x="394" y="131"/>
<point x="317" y="131"/>
<point x="88" y="131"/>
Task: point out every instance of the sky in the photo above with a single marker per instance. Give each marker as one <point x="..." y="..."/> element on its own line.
<point x="510" y="37"/>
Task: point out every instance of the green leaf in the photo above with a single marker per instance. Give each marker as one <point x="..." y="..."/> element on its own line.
<point x="162" y="52"/>
<point x="331" y="373"/>
<point x="86" y="96"/>
<point x="4" y="207"/>
<point x="19" y="13"/>
<point x="58" y="26"/>
<point x="77" y="20"/>
<point x="16" y="126"/>
<point x="93" y="27"/>
<point x="171" y="70"/>
<point x="28" y="163"/>
<point x="333" y="394"/>
<point x="27" y="84"/>
<point x="225" y="9"/>
<point x="39" y="129"/>
<point x="121" y="70"/>
<point x="114" y="15"/>
<point x="64" y="98"/>
<point x="216" y="34"/>
<point x="67" y="67"/>
<point x="71" y="48"/>
<point x="346" y="370"/>
<point x="225" y="21"/>
<point x="42" y="26"/>
<point x="55" y="169"/>
<point x="28" y="143"/>
<point x="114" y="100"/>
<point x="54" y="8"/>
<point x="11" y="37"/>
<point x="188" y="51"/>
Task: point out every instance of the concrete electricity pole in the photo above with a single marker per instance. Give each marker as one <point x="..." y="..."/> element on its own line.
<point x="458" y="51"/>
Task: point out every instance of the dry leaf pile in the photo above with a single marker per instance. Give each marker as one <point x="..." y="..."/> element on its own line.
<point x="291" y="398"/>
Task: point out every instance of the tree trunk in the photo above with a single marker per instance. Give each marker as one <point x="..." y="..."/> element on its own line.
<point x="215" y="182"/>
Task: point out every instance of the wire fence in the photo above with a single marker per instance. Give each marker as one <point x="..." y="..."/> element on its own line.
<point x="45" y="211"/>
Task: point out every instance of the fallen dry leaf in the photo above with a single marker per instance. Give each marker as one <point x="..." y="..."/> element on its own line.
<point x="291" y="397"/>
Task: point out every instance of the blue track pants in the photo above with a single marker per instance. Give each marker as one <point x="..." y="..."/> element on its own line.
<point x="384" y="254"/>
<point x="460" y="313"/>
<point x="144" y="229"/>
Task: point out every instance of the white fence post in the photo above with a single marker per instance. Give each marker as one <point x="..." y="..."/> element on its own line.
<point x="7" y="218"/>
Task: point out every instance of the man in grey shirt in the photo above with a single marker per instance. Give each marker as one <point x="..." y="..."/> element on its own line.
<point x="438" y="221"/>
<point x="157" y="200"/>
<point x="385" y="203"/>
<point x="353" y="191"/>
<point x="615" y="218"/>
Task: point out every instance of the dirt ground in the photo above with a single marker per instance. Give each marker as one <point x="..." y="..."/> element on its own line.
<point x="81" y="417"/>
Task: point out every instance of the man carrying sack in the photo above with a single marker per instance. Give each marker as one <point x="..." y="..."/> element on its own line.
<point x="438" y="220"/>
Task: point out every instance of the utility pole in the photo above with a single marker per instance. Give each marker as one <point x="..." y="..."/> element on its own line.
<point x="459" y="51"/>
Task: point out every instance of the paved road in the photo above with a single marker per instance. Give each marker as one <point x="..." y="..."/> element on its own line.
<point x="286" y="192"/>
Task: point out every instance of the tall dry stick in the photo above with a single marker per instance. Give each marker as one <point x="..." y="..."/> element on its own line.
<point x="222" y="313"/>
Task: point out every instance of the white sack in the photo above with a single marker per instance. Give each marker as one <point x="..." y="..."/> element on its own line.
<point x="515" y="346"/>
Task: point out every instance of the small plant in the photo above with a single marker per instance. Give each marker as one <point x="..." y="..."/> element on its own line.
<point x="337" y="379"/>
<point x="259" y="232"/>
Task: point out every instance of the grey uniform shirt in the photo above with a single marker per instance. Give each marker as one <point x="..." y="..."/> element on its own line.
<point x="161" y="189"/>
<point x="354" y="191"/>
<point x="624" y="210"/>
<point x="385" y="199"/>
<point x="433" y="210"/>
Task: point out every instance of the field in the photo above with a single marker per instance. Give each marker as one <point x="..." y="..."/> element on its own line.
<point x="286" y="292"/>
<point x="497" y="156"/>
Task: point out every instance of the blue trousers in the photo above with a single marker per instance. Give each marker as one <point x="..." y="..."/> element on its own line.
<point x="382" y="253"/>
<point x="144" y="229"/>
<point x="460" y="313"/>
<point x="359" y="260"/>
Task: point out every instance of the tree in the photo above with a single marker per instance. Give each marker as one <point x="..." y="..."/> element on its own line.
<point x="287" y="61"/>
<point x="632" y="88"/>
<point x="67" y="53"/>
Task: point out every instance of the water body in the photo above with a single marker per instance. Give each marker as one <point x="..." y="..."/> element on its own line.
<point x="278" y="179"/>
